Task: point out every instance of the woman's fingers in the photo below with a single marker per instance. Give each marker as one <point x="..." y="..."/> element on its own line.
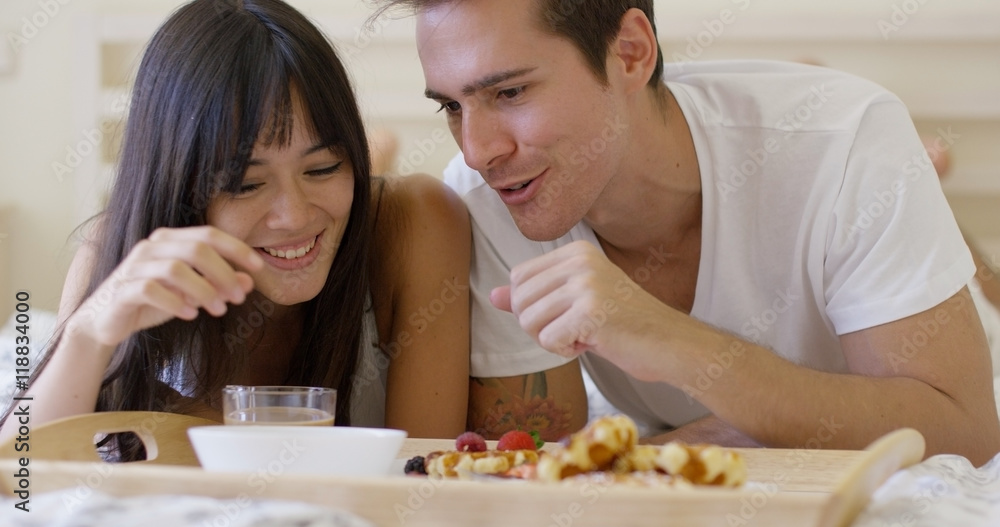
<point x="171" y="274"/>
<point x="182" y="279"/>
<point x="230" y="247"/>
<point x="157" y="304"/>
<point x="245" y="280"/>
<point x="210" y="252"/>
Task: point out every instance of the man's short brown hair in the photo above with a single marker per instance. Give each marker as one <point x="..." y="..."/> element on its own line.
<point x="591" y="25"/>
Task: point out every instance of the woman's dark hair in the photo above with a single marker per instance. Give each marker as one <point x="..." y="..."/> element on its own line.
<point x="217" y="77"/>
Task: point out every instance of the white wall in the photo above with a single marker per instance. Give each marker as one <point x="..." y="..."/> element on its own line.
<point x="39" y="113"/>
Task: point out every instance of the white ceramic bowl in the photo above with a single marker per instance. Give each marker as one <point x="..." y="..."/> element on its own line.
<point x="276" y="450"/>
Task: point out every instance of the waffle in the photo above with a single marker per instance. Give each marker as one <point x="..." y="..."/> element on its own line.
<point x="595" y="448"/>
<point x="462" y="465"/>
<point x="608" y="445"/>
<point x="606" y="451"/>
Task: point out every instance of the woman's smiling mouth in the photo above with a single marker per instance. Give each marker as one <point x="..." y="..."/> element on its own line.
<point x="292" y="253"/>
<point x="293" y="257"/>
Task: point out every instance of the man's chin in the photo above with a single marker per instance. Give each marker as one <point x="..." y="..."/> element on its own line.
<point x="541" y="231"/>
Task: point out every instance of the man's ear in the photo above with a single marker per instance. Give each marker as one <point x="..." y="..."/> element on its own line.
<point x="635" y="51"/>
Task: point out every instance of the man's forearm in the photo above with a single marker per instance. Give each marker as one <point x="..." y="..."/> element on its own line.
<point x="708" y="429"/>
<point x="780" y="404"/>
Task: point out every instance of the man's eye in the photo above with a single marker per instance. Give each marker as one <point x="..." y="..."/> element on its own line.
<point x="511" y="93"/>
<point x="450" y="107"/>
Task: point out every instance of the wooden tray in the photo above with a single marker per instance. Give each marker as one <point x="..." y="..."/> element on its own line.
<point x="787" y="487"/>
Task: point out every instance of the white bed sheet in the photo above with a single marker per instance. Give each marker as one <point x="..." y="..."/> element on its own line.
<point x="56" y="509"/>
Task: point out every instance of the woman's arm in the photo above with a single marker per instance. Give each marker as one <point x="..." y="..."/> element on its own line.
<point x="75" y="285"/>
<point x="172" y="274"/>
<point x="421" y="286"/>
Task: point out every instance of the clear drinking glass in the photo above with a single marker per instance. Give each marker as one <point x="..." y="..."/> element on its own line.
<point x="279" y="405"/>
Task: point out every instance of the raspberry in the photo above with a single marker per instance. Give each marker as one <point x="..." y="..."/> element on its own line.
<point x="516" y="440"/>
<point x="470" y="442"/>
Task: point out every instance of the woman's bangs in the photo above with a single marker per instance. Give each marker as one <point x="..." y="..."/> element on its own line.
<point x="263" y="113"/>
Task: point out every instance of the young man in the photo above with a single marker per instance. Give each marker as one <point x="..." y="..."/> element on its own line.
<point x="738" y="252"/>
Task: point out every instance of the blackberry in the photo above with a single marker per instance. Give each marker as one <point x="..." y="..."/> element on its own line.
<point x="415" y="465"/>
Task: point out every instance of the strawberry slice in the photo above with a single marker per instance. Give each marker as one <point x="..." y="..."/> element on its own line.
<point x="516" y="440"/>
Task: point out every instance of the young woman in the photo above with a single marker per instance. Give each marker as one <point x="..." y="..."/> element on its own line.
<point x="245" y="243"/>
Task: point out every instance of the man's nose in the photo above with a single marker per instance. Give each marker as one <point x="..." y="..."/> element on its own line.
<point x="485" y="139"/>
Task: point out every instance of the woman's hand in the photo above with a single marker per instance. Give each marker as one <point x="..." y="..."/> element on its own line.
<point x="171" y="274"/>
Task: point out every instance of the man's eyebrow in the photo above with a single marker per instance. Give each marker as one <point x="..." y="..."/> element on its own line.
<point x="309" y="151"/>
<point x="486" y="82"/>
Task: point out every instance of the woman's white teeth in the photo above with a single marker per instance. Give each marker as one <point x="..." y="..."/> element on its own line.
<point x="292" y="254"/>
<point x="519" y="187"/>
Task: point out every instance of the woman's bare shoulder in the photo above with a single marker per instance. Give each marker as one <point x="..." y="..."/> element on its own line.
<point x="420" y="225"/>
<point x="417" y="205"/>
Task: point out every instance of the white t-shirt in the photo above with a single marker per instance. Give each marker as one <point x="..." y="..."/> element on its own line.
<point x="822" y="215"/>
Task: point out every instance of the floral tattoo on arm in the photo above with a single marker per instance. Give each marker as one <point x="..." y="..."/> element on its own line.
<point x="530" y="409"/>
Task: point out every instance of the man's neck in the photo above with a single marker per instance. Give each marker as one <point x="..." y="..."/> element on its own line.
<point x="654" y="201"/>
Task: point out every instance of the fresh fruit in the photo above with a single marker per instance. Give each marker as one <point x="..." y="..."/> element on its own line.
<point x="415" y="465"/>
<point x="470" y="442"/>
<point x="516" y="440"/>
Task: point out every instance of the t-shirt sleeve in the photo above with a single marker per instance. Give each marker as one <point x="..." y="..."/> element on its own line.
<point x="894" y="248"/>
<point x="499" y="346"/>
